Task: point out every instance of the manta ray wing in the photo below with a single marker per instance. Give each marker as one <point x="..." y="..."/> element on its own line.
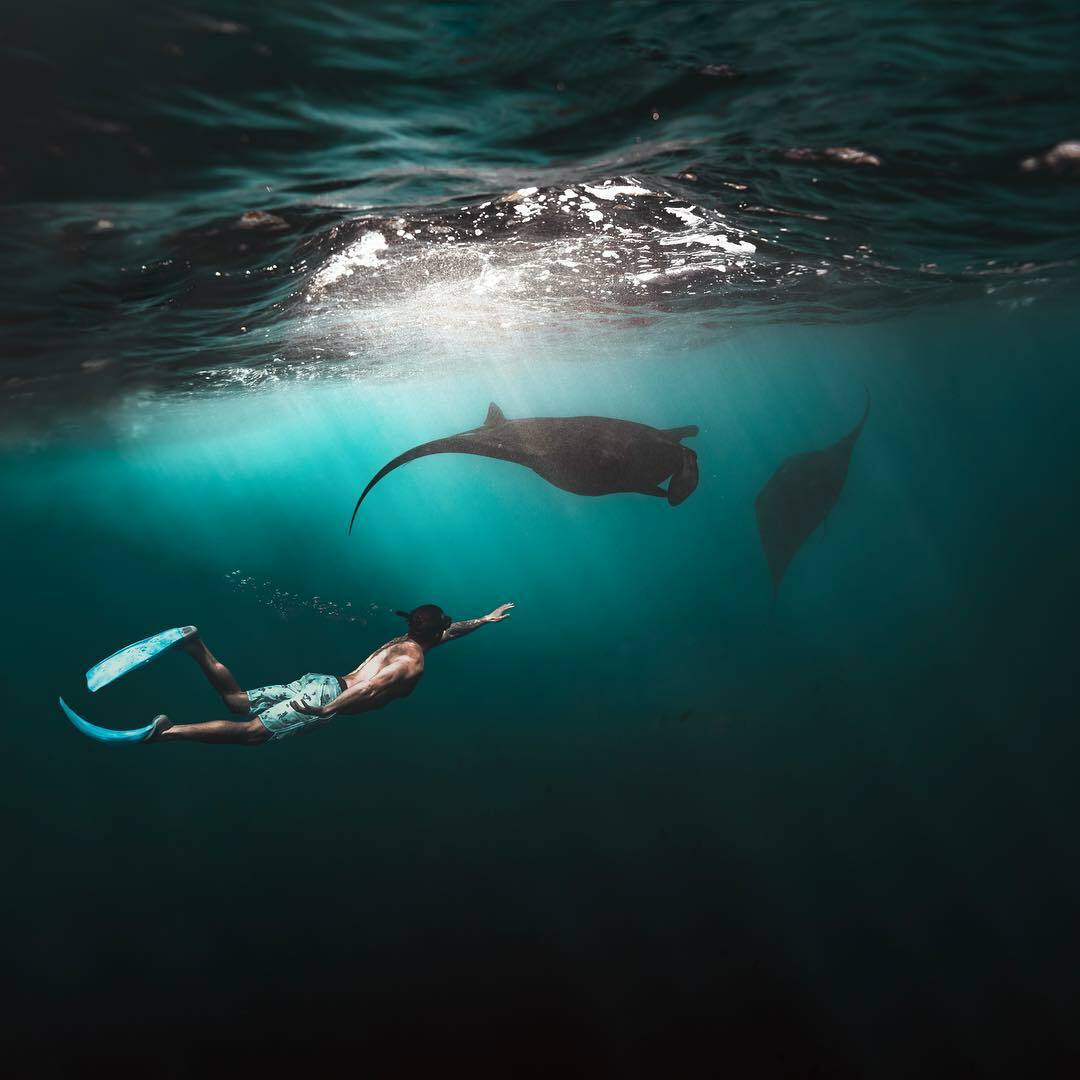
<point x="799" y="496"/>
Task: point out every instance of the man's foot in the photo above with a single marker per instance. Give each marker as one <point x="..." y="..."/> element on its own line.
<point x="190" y="642"/>
<point x="160" y="723"/>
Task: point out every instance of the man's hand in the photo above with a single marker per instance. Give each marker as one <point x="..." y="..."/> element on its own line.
<point x="302" y="706"/>
<point x="500" y="613"/>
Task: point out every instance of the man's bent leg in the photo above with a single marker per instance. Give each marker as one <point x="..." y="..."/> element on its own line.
<point x="218" y="675"/>
<point x="240" y="732"/>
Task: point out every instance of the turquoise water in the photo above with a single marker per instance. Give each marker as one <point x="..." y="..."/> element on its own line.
<point x="659" y="822"/>
<point x="643" y="783"/>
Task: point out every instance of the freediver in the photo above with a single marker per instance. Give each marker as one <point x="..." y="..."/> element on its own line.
<point x="272" y="712"/>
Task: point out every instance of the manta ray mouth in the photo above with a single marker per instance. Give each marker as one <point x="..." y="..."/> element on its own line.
<point x="685" y="481"/>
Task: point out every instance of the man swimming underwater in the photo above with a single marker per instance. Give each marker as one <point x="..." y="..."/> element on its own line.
<point x="272" y="712"/>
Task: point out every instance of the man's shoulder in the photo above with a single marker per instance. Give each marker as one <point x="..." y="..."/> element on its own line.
<point x="407" y="652"/>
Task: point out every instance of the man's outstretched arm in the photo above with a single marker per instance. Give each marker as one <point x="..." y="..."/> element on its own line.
<point x="467" y="626"/>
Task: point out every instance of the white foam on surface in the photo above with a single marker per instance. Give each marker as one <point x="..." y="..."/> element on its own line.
<point x="685" y="214"/>
<point x="615" y="190"/>
<point x="362" y="253"/>
<point x="735" y="247"/>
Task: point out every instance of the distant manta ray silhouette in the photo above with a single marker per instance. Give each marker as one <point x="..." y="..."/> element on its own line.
<point x="585" y="455"/>
<point x="799" y="497"/>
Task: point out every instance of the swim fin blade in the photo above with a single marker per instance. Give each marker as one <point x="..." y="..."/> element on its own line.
<point x="134" y="656"/>
<point x="105" y="734"/>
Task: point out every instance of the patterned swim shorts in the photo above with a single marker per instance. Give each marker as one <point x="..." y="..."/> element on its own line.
<point x="272" y="704"/>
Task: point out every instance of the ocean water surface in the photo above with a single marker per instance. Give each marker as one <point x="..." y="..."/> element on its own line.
<point x="663" y="820"/>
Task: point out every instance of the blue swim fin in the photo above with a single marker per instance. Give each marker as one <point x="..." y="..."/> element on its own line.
<point x="134" y="656"/>
<point x="103" y="734"/>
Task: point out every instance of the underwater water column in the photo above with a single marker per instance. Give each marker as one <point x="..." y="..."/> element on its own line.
<point x="746" y="346"/>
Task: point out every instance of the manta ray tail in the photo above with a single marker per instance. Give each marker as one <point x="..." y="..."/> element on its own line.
<point x="454" y="444"/>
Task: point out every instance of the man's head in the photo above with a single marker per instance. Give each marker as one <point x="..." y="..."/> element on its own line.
<point x="426" y="623"/>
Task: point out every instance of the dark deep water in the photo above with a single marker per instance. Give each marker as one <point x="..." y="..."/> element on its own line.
<point x="654" y="824"/>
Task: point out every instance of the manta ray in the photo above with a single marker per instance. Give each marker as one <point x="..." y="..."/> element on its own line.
<point x="585" y="455"/>
<point x="799" y="497"/>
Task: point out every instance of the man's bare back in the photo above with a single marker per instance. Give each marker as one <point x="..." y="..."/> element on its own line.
<point x="397" y="666"/>
<point x="390" y="672"/>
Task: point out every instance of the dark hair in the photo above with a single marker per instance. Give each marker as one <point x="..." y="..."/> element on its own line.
<point x="426" y="622"/>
